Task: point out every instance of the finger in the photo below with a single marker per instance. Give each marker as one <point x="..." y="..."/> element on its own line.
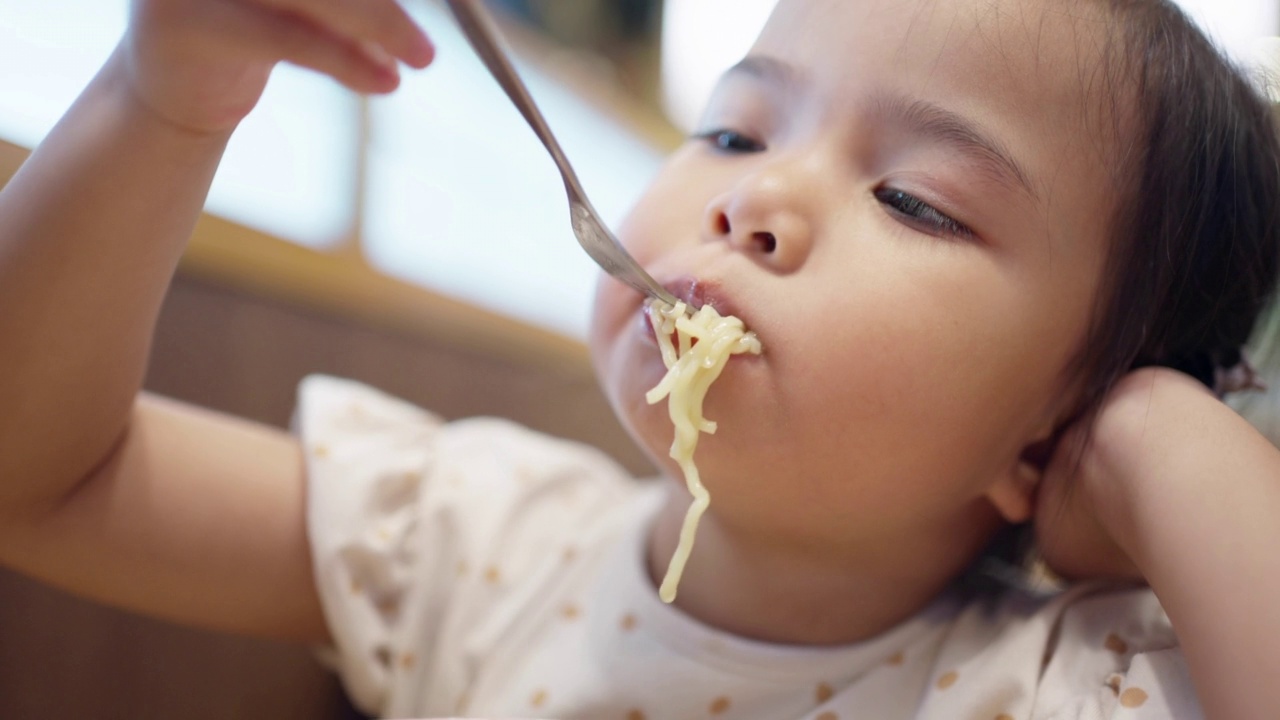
<point x="378" y="22"/>
<point x="302" y="43"/>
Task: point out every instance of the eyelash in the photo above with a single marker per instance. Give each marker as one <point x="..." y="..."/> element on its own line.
<point x="730" y="141"/>
<point x="902" y="204"/>
<point x="916" y="211"/>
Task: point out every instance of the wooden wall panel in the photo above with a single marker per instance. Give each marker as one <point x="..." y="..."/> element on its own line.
<point x="233" y="352"/>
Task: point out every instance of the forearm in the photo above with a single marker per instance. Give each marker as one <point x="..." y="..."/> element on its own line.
<point x="1203" y="525"/>
<point x="91" y="228"/>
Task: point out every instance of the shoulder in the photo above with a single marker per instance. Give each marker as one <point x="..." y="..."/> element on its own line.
<point x="371" y="455"/>
<point x="1092" y="651"/>
<point x="421" y="528"/>
<point x="1115" y="650"/>
<point x="340" y="418"/>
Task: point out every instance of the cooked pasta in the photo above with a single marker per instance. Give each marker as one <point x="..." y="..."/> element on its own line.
<point x="703" y="343"/>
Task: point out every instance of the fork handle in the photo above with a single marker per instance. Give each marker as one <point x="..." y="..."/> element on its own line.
<point x="481" y="32"/>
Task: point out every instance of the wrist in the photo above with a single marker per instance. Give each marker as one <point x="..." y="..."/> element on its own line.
<point x="1154" y="447"/>
<point x="120" y="76"/>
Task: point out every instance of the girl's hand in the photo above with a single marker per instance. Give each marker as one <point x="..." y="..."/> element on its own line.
<point x="1083" y="494"/>
<point x="203" y="64"/>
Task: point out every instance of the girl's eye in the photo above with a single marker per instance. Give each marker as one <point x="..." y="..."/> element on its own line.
<point x="731" y="141"/>
<point x="919" y="213"/>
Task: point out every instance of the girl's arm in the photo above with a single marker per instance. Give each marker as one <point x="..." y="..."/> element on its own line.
<point x="139" y="502"/>
<point x="152" y="518"/>
<point x="1191" y="493"/>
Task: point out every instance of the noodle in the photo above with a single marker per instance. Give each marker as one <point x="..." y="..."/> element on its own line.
<point x="691" y="368"/>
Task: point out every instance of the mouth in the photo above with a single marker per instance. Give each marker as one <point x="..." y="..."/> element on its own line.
<point x="695" y="293"/>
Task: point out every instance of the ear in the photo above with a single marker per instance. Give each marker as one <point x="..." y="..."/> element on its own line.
<point x="1013" y="492"/>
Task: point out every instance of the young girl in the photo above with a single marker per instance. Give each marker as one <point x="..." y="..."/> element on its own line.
<point x="967" y="233"/>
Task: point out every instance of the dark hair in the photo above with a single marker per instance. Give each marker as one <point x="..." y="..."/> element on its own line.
<point x="1196" y="234"/>
<point x="1195" y="247"/>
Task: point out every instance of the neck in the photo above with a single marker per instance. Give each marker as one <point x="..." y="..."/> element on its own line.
<point x="797" y="595"/>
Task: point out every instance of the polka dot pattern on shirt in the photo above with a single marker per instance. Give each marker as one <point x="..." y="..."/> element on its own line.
<point x="538" y="699"/>
<point x="948" y="679"/>
<point x="1116" y="644"/>
<point x="1133" y="697"/>
<point x="823" y="693"/>
<point x="388" y="605"/>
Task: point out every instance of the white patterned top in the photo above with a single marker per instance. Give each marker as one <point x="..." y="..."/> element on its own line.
<point x="479" y="569"/>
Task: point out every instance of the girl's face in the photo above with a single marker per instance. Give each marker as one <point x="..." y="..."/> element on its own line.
<point x="904" y="201"/>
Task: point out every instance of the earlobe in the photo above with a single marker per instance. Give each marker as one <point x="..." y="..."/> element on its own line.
<point x="1013" y="493"/>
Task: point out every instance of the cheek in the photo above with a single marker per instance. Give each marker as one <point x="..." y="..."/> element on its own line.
<point x="670" y="211"/>
<point x="923" y="384"/>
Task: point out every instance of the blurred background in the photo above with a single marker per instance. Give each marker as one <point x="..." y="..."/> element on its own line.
<point x="418" y="242"/>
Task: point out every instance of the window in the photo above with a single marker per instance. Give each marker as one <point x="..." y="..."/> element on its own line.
<point x="459" y="195"/>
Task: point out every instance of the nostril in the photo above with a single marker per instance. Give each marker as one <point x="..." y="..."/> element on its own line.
<point x="722" y="224"/>
<point x="766" y="241"/>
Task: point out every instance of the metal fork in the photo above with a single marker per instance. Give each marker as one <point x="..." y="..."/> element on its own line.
<point x="590" y="230"/>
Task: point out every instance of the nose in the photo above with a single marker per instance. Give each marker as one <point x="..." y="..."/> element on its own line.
<point x="766" y="215"/>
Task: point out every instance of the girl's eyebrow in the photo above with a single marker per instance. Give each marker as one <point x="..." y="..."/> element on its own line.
<point x="930" y="120"/>
<point x="763" y="67"/>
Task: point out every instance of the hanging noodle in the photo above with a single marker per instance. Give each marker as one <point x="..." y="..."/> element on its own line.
<point x="691" y="368"/>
